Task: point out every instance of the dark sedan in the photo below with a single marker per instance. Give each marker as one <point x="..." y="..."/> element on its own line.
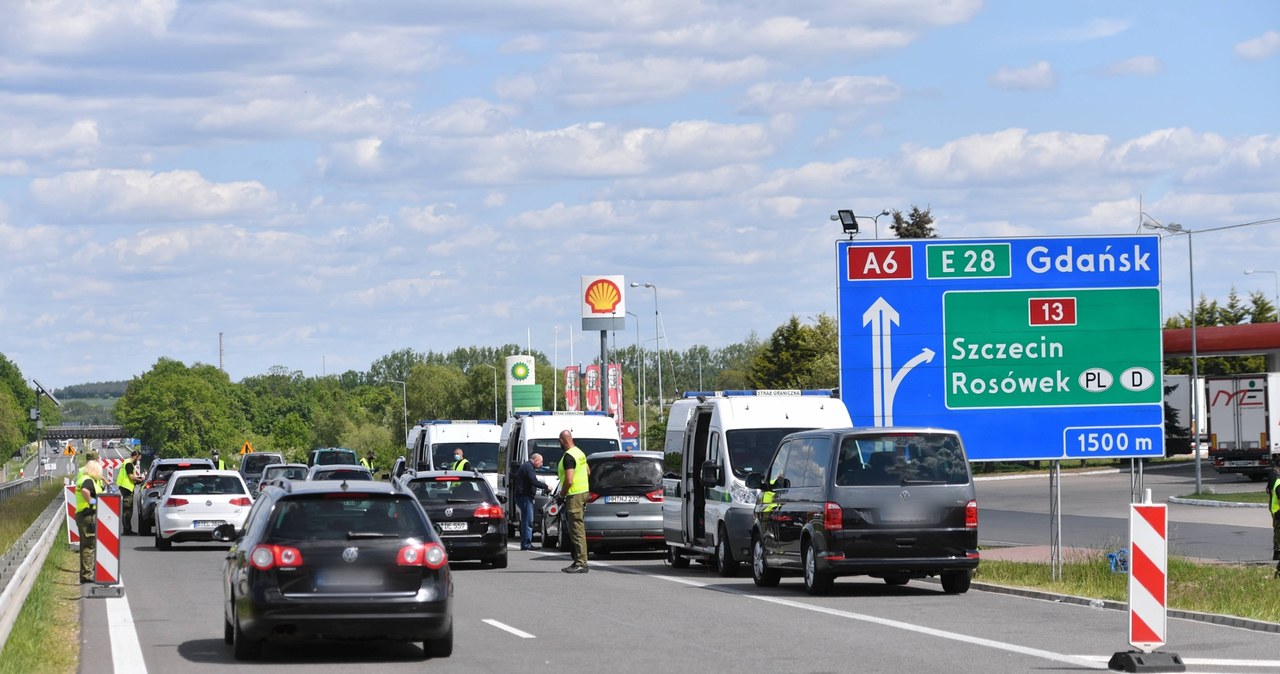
<point x="465" y="513"/>
<point x="336" y="561"/>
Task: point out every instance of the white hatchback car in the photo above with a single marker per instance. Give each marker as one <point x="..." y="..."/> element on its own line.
<point x="196" y="502"/>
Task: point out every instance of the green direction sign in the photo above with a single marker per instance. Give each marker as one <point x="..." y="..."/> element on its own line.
<point x="1051" y="348"/>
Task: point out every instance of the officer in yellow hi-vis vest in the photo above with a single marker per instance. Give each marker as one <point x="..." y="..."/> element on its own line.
<point x="89" y="485"/>
<point x="1273" y="487"/>
<point x="574" y="487"/>
<point x="459" y="461"/>
<point x="126" y="480"/>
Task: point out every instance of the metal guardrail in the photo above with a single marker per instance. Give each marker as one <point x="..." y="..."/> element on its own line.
<point x="10" y="489"/>
<point x="21" y="563"/>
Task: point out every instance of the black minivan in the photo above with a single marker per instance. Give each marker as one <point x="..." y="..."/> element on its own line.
<point x="894" y="503"/>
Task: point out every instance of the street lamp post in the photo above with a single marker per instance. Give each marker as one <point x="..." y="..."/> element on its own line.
<point x="1275" y="276"/>
<point x="1175" y="228"/>
<point x="849" y="221"/>
<point x="639" y="381"/>
<point x="495" y="389"/>
<point x="404" y="400"/>
<point x="657" y="318"/>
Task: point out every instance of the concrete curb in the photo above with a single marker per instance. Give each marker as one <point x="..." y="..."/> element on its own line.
<point x="1209" y="503"/>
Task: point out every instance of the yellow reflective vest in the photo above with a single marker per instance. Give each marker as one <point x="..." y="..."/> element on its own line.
<point x="580" y="480"/>
<point x="123" y="478"/>
<point x="99" y="486"/>
<point x="1275" y="499"/>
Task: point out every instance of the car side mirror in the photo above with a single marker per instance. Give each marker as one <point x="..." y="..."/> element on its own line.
<point x="756" y="481"/>
<point x="711" y="472"/>
<point x="225" y="533"/>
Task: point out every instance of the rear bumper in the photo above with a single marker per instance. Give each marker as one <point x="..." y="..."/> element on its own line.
<point x="472" y="546"/>
<point x="396" y="619"/>
<point x="612" y="531"/>
<point x="904" y="551"/>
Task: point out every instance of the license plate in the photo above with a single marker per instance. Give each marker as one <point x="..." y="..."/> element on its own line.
<point x="348" y="578"/>
<point x="904" y="515"/>
<point x="453" y="526"/>
<point x="1240" y="463"/>
<point x="208" y="524"/>
<point x="622" y="499"/>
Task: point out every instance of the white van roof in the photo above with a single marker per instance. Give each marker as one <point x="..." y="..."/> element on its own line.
<point x="778" y="408"/>
<point x="581" y="424"/>
<point x="455" y="429"/>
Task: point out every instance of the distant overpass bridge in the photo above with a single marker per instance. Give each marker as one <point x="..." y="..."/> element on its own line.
<point x="84" y="432"/>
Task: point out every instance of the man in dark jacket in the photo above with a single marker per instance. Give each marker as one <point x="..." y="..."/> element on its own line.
<point x="527" y="484"/>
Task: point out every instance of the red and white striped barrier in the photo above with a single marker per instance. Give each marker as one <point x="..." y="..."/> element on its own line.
<point x="109" y="467"/>
<point x="69" y="497"/>
<point x="107" y="552"/>
<point x="1148" y="575"/>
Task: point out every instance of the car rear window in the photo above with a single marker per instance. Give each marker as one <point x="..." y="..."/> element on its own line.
<point x="451" y="490"/>
<point x="624" y="472"/>
<point x="343" y="474"/>
<point x="254" y="463"/>
<point x="901" y="459"/>
<point x="164" y="471"/>
<point x="331" y="457"/>
<point x="207" y="485"/>
<point x="346" y="516"/>
<point x="291" y="472"/>
<point x="551" y="452"/>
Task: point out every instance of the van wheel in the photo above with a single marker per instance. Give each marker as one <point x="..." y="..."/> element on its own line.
<point x="760" y="571"/>
<point x="956" y="582"/>
<point x="725" y="563"/>
<point x="676" y="559"/>
<point x="815" y="582"/>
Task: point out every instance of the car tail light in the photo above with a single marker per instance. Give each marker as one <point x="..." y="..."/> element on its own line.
<point x="832" y="516"/>
<point x="486" y="511"/>
<point x="429" y="555"/>
<point x="266" y="557"/>
<point x="241" y="501"/>
<point x="154" y="483"/>
<point x="172" y="502"/>
<point x="971" y="515"/>
<point x="655" y="496"/>
<point x="592" y="496"/>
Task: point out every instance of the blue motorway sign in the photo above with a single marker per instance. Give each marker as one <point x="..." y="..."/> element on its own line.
<point x="1036" y="348"/>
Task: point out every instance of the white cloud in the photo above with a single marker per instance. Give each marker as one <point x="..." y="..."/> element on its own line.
<point x="287" y="115"/>
<point x="71" y="26"/>
<point x="1011" y="155"/>
<point x="837" y="93"/>
<point x="122" y="194"/>
<point x="49" y="140"/>
<point x="1095" y="29"/>
<point x="1038" y="76"/>
<point x="1138" y="65"/>
<point x="1261" y="47"/>
<point x="591" y="80"/>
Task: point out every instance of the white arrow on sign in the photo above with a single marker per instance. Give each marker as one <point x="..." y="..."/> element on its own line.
<point x="881" y="315"/>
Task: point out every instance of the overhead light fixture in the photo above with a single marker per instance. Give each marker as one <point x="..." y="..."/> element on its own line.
<point x="848" y="221"/>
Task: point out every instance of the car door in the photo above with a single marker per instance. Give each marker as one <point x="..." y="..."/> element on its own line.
<point x="771" y="500"/>
<point x="795" y="504"/>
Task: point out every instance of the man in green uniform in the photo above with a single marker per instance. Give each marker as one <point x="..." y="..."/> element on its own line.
<point x="127" y="478"/>
<point x="89" y="484"/>
<point x="574" y="487"/>
<point x="1273" y="488"/>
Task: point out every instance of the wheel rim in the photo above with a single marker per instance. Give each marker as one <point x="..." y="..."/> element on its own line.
<point x="757" y="558"/>
<point x="721" y="553"/>
<point x="808" y="565"/>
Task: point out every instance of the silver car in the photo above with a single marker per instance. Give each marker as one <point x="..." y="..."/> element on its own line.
<point x="624" y="508"/>
<point x="195" y="502"/>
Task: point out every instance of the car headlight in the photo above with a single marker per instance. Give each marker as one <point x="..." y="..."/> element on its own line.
<point x="741" y="493"/>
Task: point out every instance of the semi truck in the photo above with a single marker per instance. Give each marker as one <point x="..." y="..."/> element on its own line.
<point x="1244" y="423"/>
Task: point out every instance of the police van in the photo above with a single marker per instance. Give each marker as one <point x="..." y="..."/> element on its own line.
<point x="719" y="438"/>
<point x="530" y="433"/>
<point x="431" y="444"/>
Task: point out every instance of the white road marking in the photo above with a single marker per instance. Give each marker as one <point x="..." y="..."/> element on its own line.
<point x="126" y="652"/>
<point x="508" y="628"/>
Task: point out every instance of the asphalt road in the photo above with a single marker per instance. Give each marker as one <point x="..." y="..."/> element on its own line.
<point x="1095" y="513"/>
<point x="632" y="613"/>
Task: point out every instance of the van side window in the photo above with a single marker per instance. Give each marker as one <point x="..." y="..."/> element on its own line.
<point x="777" y="478"/>
<point x="798" y="462"/>
<point x="820" y="457"/>
<point x="713" y="448"/>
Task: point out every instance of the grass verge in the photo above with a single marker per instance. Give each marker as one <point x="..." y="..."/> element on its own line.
<point x="46" y="636"/>
<point x="1241" y="591"/>
<point x="1238" y="497"/>
<point x="20" y="511"/>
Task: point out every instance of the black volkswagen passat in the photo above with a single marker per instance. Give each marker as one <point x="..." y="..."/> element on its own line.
<point x="343" y="560"/>
<point x="465" y="513"/>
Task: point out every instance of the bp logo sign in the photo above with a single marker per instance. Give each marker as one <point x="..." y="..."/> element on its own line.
<point x="519" y="372"/>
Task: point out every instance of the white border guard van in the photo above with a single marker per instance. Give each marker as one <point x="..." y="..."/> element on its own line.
<point x="433" y="442"/>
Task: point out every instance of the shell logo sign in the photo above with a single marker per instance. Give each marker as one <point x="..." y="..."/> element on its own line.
<point x="602" y="296"/>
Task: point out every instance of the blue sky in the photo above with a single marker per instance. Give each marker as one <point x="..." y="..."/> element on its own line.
<point x="326" y="183"/>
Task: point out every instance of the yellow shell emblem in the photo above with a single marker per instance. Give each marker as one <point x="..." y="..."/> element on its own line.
<point x="603" y="296"/>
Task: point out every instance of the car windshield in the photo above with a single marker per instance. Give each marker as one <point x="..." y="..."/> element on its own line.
<point x="342" y="474"/>
<point x="895" y="459"/>
<point x="626" y="471"/>
<point x="254" y="463"/>
<point x="483" y="456"/>
<point x="750" y="449"/>
<point x="432" y="491"/>
<point x="164" y="471"/>
<point x="207" y="485"/>
<point x="335" y="456"/>
<point x="346" y="516"/>
<point x="292" y="472"/>
<point x="551" y="452"/>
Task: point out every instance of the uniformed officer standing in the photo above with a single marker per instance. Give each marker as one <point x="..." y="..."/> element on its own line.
<point x="459" y="461"/>
<point x="90" y="484"/>
<point x="573" y="473"/>
<point x="126" y="481"/>
<point x="1273" y="488"/>
<point x="218" y="462"/>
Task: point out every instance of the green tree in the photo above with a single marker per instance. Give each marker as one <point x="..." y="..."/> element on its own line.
<point x="291" y="433"/>
<point x="799" y="356"/>
<point x="182" y="411"/>
<point x="916" y="224"/>
<point x="1211" y="313"/>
